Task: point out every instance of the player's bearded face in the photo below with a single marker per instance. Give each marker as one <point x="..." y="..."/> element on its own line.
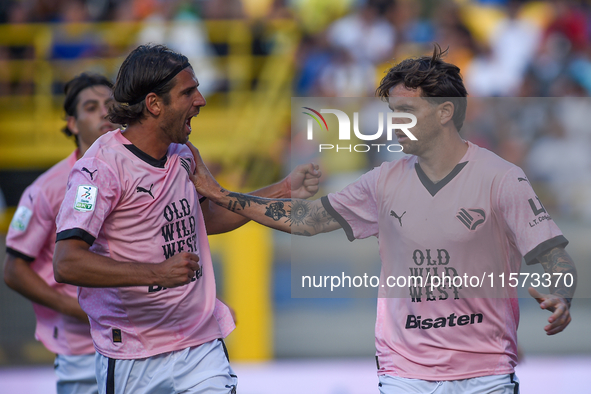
<point x="185" y="103"/>
<point x="174" y="125"/>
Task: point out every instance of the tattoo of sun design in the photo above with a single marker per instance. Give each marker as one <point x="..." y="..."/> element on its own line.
<point x="299" y="211"/>
<point x="275" y="211"/>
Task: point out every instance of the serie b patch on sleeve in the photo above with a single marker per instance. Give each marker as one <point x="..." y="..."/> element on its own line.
<point x="21" y="218"/>
<point x="85" y="198"/>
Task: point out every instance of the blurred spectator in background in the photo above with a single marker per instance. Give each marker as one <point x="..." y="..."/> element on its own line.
<point x="16" y="78"/>
<point x="365" y="34"/>
<point x="451" y="31"/>
<point x="500" y="70"/>
<point x="345" y="76"/>
<point x="560" y="157"/>
<point x="312" y="57"/>
<point x="71" y="39"/>
<point x="356" y="43"/>
<point x="176" y="25"/>
<point x="406" y="16"/>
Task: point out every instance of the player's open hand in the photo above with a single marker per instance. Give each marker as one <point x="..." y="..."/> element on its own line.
<point x="179" y="270"/>
<point x="304" y="180"/>
<point x="204" y="182"/>
<point x="559" y="307"/>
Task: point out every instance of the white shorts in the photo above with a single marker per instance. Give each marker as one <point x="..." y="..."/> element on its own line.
<point x="195" y="370"/>
<point x="76" y="374"/>
<point x="497" y="384"/>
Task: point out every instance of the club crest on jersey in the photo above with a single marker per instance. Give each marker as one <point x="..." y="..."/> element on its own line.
<point x="471" y="217"/>
<point x="85" y="198"/>
<point x="21" y="218"/>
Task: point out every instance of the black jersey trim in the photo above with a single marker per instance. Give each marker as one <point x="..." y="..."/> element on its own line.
<point x="75" y="233"/>
<point x="433" y="188"/>
<point x="515" y="384"/>
<point x="202" y="199"/>
<point x="337" y="216"/>
<point x="20" y="255"/>
<point x="531" y="256"/>
<point x="110" y="376"/>
<point x="146" y="157"/>
<point x="225" y="349"/>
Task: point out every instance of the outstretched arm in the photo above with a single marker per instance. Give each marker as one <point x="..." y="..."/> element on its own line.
<point x="557" y="261"/>
<point x="302" y="182"/>
<point x="294" y="216"/>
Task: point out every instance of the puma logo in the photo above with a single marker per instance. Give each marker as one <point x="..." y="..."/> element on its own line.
<point x="84" y="169"/>
<point x="392" y="213"/>
<point x="140" y="189"/>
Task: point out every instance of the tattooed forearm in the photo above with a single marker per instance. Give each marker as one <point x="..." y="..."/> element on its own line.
<point x="275" y="210"/>
<point x="299" y="211"/>
<point x="300" y="217"/>
<point x="241" y="201"/>
<point x="319" y="219"/>
<point x="557" y="260"/>
<point x="305" y="214"/>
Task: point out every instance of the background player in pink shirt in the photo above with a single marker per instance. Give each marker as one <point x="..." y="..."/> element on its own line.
<point x="132" y="231"/>
<point x="62" y="326"/>
<point x="460" y="208"/>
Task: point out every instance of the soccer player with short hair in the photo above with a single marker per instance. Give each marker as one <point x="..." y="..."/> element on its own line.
<point x="62" y="326"/>
<point x="464" y="210"/>
<point x="133" y="230"/>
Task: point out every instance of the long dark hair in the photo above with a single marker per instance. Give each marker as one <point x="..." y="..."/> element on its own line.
<point x="148" y="68"/>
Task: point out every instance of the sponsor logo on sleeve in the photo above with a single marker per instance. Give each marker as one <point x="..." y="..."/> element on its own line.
<point x="85" y="198"/>
<point x="21" y="218"/>
<point x="540" y="213"/>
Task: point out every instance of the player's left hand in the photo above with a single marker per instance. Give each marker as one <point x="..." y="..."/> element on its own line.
<point x="304" y="180"/>
<point x="559" y="307"/>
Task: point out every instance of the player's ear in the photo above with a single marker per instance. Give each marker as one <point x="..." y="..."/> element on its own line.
<point x="71" y="122"/>
<point x="446" y="112"/>
<point x="153" y="104"/>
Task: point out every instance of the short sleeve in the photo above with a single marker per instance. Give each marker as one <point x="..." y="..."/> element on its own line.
<point x="93" y="191"/>
<point x="355" y="207"/>
<point x="33" y="223"/>
<point x="529" y="224"/>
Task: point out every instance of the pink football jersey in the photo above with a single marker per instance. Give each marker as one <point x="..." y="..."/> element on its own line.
<point x="31" y="236"/>
<point x="131" y="207"/>
<point x="480" y="219"/>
